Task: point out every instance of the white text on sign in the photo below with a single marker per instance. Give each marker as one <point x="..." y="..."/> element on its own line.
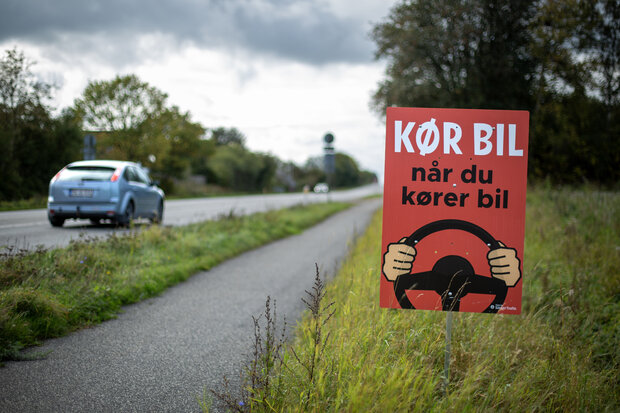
<point x="428" y="137"/>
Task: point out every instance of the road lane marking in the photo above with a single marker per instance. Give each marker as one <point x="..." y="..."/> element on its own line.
<point x="26" y="224"/>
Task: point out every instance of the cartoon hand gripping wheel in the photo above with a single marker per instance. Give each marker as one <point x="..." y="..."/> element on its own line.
<point x="452" y="277"/>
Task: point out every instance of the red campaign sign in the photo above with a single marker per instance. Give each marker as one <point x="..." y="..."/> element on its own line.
<point x="454" y="209"/>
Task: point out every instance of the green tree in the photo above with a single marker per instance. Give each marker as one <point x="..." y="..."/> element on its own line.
<point x="347" y="172"/>
<point x="575" y="120"/>
<point x="601" y="43"/>
<point x="224" y="136"/>
<point x="46" y="146"/>
<point x="175" y="143"/>
<point x="121" y="104"/>
<point x="600" y="40"/>
<point x="455" y="53"/>
<point x="135" y="123"/>
<point x="123" y="107"/>
<point x="286" y="176"/>
<point x="200" y="159"/>
<point x="235" y="167"/>
<point x="310" y="173"/>
<point x="559" y="60"/>
<point x="33" y="144"/>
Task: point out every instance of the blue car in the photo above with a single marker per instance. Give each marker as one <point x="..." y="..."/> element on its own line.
<point x="104" y="190"/>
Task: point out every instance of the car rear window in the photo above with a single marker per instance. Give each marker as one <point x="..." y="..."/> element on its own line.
<point x="87" y="173"/>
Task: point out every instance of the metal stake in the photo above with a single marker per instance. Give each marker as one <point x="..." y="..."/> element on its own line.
<point x="446" y="364"/>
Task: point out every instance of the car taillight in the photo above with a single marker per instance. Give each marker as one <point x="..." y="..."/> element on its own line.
<point x="116" y="175"/>
<point x="55" y="178"/>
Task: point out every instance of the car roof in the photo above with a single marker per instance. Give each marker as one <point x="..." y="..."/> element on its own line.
<point x="104" y="163"/>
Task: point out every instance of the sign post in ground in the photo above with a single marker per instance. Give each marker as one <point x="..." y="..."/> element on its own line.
<point x="454" y="210"/>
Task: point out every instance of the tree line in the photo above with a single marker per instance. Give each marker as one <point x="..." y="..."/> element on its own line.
<point x="557" y="59"/>
<point x="131" y="120"/>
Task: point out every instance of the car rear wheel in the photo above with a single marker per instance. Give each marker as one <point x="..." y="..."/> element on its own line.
<point x="56" y="222"/>
<point x="159" y="215"/>
<point x="127" y="217"/>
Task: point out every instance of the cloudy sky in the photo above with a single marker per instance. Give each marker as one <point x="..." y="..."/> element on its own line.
<point x="284" y="72"/>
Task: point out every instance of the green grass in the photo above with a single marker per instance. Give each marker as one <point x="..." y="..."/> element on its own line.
<point x="48" y="293"/>
<point x="561" y="354"/>
<point x="36" y="202"/>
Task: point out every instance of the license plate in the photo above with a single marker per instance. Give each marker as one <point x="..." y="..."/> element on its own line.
<point x="81" y="193"/>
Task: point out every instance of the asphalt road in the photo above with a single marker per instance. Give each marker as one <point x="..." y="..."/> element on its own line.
<point x="30" y="228"/>
<point x="161" y="354"/>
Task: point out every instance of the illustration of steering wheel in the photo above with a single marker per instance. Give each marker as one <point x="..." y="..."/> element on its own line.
<point x="452" y="277"/>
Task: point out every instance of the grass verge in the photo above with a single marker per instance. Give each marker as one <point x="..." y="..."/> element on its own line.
<point x="48" y="293"/>
<point x="36" y="202"/>
<point x="561" y="354"/>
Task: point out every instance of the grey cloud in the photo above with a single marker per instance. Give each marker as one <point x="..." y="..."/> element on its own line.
<point x="293" y="29"/>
